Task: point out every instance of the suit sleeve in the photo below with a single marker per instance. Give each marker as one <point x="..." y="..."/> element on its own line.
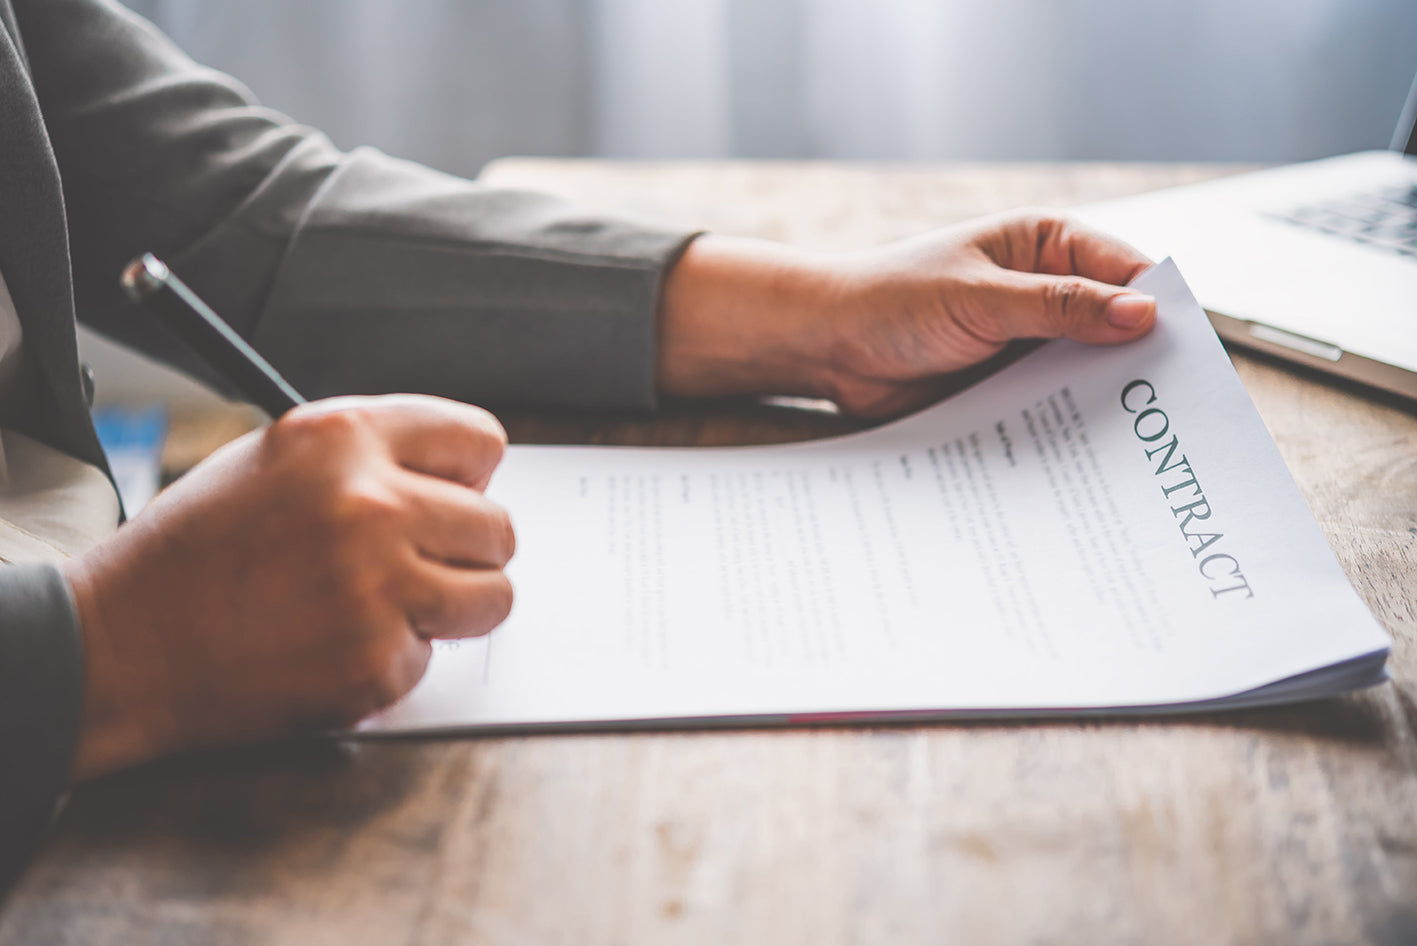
<point x="41" y="688"/>
<point x="352" y="272"/>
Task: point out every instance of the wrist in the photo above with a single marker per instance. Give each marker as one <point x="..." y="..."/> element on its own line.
<point x="742" y="316"/>
<point x="125" y="718"/>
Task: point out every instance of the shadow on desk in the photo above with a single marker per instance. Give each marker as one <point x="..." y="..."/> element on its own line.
<point x="249" y="800"/>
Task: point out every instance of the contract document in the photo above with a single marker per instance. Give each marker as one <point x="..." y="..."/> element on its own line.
<point x="1091" y="529"/>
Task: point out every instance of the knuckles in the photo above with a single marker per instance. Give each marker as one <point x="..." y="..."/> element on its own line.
<point x="504" y="535"/>
<point x="359" y="504"/>
<point x="468" y="611"/>
<point x="356" y="530"/>
<point x="492" y="429"/>
<point x="1045" y="224"/>
<point x="1068" y="300"/>
<point x="502" y="596"/>
<point x="486" y="439"/>
<point x="317" y="429"/>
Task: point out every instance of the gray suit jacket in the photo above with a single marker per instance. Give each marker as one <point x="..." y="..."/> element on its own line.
<point x="351" y="272"/>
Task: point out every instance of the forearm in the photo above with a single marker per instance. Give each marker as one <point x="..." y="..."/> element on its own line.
<point x="742" y="316"/>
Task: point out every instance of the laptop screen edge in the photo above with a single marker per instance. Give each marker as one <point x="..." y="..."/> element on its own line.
<point x="1405" y="138"/>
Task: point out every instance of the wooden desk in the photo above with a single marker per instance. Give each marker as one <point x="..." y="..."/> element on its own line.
<point x="1281" y="826"/>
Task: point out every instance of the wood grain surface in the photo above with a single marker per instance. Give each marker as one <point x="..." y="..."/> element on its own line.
<point x="1295" y="825"/>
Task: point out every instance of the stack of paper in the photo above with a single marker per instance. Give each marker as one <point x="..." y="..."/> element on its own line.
<point x="1090" y="529"/>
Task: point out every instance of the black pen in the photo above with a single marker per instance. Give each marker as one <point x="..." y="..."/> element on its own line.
<point x="150" y="283"/>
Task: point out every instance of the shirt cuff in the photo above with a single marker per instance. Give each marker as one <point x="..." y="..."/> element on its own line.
<point x="402" y="279"/>
<point x="41" y="699"/>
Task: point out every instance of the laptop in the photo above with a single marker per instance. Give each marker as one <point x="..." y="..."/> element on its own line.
<point x="1315" y="263"/>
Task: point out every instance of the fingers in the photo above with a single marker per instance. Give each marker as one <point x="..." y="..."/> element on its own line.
<point x="436" y="436"/>
<point x="445" y="439"/>
<point x="450" y="602"/>
<point x="457" y="525"/>
<point x="456" y="587"/>
<point x="1066" y="247"/>
<point x="1057" y="245"/>
<point x="1030" y="305"/>
<point x="1063" y="279"/>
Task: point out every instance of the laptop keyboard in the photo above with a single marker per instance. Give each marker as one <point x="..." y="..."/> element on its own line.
<point x="1385" y="218"/>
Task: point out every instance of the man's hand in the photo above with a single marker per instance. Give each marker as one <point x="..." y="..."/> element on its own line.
<point x="876" y="330"/>
<point x="293" y="581"/>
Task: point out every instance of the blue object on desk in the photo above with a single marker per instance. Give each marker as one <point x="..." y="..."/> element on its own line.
<point x="133" y="441"/>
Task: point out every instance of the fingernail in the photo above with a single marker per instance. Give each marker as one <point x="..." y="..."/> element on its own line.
<point x="1128" y="310"/>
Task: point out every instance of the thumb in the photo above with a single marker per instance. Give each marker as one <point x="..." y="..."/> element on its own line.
<point x="1031" y="305"/>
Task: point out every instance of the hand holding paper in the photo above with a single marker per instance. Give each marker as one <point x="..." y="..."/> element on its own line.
<point x="878" y="331"/>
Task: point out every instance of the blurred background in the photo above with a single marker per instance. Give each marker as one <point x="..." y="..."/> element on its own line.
<point x="457" y="83"/>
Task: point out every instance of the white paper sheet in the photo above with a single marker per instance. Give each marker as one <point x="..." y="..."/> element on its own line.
<point x="1035" y="544"/>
